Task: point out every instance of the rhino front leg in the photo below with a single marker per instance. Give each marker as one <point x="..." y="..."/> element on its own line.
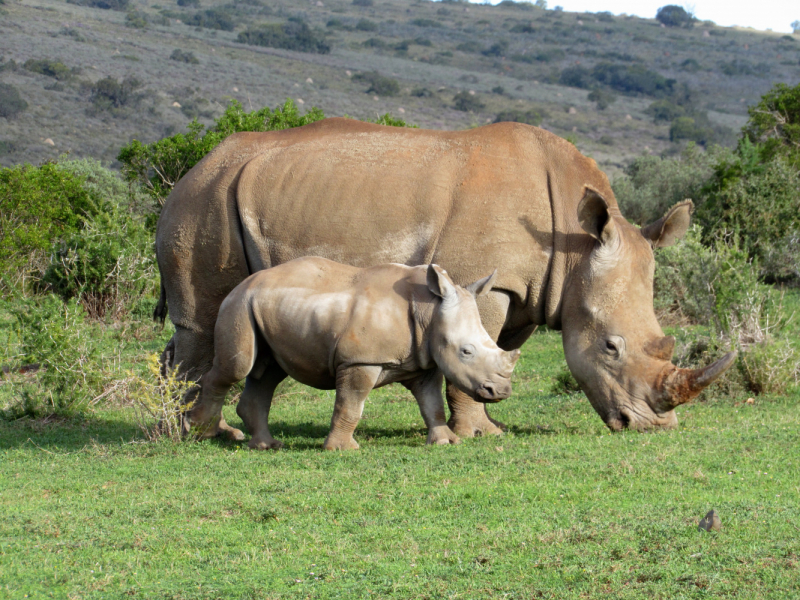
<point x="427" y="389"/>
<point x="353" y="384"/>
<point x="254" y="405"/>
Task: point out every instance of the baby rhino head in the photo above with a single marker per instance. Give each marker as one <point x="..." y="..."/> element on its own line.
<point x="459" y="344"/>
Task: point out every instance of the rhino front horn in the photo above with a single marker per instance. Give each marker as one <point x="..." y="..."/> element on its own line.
<point x="684" y="384"/>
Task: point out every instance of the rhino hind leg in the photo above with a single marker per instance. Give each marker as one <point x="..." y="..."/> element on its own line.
<point x="254" y="406"/>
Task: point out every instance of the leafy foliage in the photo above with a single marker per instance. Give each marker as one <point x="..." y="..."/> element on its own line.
<point x="293" y="35"/>
<point x="530" y="117"/>
<point x="212" y="18"/>
<point x="11" y="103"/>
<point x="673" y="15"/>
<point x="775" y="122"/>
<point x="159" y="165"/>
<point x="51" y="68"/>
<point x="602" y="98"/>
<point x="120" y="5"/>
<point x="181" y="56"/>
<point x="466" y="102"/>
<point x="378" y="84"/>
<point x="37" y="206"/>
<point x="110" y="94"/>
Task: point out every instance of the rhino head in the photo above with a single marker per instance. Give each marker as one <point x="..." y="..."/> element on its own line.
<point x="613" y="343"/>
<point x="460" y="345"/>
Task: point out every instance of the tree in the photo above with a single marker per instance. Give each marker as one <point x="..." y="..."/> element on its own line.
<point x="796" y="26"/>
<point x="775" y="122"/>
<point x="673" y="15"/>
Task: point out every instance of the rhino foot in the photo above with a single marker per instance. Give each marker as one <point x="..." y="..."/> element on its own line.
<point x="230" y="433"/>
<point x="340" y="444"/>
<point x="442" y="436"/>
<point x="475" y="427"/>
<point x="266" y="444"/>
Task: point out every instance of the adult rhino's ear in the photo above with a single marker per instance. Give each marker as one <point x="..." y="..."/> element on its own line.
<point x="671" y="227"/>
<point x="595" y="218"/>
<point x="482" y="286"/>
<point x="439" y="283"/>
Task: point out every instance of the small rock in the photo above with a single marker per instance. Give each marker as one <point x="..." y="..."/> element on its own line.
<point x="176" y="104"/>
<point x="49" y="142"/>
<point x="375" y="98"/>
<point x="580" y="22"/>
<point x="236" y="89"/>
<point x="573" y="110"/>
<point x="349" y="73"/>
<point x="706" y="34"/>
<point x="401" y="110"/>
<point x="472" y="92"/>
<point x="320" y="3"/>
<point x="309" y="80"/>
<point x="559" y="94"/>
<point x="710" y="522"/>
<point x="300" y="101"/>
<point x="628" y="117"/>
<point x="750" y="401"/>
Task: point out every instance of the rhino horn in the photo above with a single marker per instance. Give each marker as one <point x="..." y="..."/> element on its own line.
<point x="681" y="385"/>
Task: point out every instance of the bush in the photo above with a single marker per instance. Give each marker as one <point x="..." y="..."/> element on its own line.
<point x="189" y="3"/>
<point x="366" y="25"/>
<point x="775" y="123"/>
<point x="54" y="336"/>
<point x="717" y="285"/>
<point x="363" y="2"/>
<point x="497" y="49"/>
<point x="11" y="103"/>
<point x="50" y="68"/>
<point x="421" y="92"/>
<point x="378" y="84"/>
<point x="602" y="98"/>
<point x="470" y="47"/>
<point x="426" y="23"/>
<point x="530" y="117"/>
<point x="293" y="35"/>
<point x="110" y="94"/>
<point x="38" y="205"/>
<point x="212" y="18"/>
<point x="673" y="15"/>
<point x="664" y="111"/>
<point x="159" y="165"/>
<point x="181" y="56"/>
<point x="466" y="102"/>
<point x="651" y="185"/>
<point x="577" y="76"/>
<point x="120" y="5"/>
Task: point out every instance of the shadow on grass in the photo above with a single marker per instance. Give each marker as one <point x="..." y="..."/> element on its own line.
<point x="67" y="433"/>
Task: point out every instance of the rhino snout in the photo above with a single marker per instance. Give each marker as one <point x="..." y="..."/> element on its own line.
<point x="493" y="391"/>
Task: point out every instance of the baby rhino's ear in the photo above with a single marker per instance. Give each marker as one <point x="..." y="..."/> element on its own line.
<point x="439" y="283"/>
<point x="482" y="286"/>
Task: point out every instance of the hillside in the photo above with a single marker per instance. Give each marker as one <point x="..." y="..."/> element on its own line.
<point x="105" y="76"/>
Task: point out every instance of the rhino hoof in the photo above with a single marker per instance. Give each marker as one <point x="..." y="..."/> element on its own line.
<point x="350" y="444"/>
<point x="442" y="436"/>
<point x="271" y="444"/>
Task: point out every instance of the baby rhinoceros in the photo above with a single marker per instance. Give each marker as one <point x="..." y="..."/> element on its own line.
<point x="333" y="326"/>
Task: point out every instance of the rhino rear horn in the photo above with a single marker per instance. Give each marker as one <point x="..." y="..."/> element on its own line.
<point x="684" y="384"/>
<point x="661" y="348"/>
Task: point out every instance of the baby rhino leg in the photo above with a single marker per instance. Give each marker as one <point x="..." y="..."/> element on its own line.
<point x="427" y="389"/>
<point x="234" y="355"/>
<point x="353" y="384"/>
<point x="254" y="405"/>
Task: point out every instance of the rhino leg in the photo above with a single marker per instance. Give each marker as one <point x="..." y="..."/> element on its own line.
<point x="427" y="389"/>
<point x="353" y="384"/>
<point x="254" y="405"/>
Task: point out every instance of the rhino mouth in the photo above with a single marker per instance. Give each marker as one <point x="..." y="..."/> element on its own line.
<point x="491" y="391"/>
<point x="641" y="419"/>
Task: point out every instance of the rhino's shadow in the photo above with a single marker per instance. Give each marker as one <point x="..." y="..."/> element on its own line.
<point x="309" y="436"/>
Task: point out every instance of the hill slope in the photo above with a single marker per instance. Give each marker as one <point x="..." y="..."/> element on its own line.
<point x="511" y="57"/>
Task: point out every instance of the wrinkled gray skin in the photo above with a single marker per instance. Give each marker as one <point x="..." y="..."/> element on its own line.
<point x="506" y="196"/>
<point x="333" y="326"/>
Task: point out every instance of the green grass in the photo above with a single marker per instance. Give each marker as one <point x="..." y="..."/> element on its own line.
<point x="558" y="507"/>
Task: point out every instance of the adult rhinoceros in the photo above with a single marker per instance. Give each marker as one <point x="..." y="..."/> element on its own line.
<point x="508" y="196"/>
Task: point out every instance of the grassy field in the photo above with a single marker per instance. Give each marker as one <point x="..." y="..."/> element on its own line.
<point x="556" y="508"/>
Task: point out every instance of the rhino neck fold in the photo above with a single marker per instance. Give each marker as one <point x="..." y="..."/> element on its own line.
<point x="556" y="271"/>
<point x="420" y="315"/>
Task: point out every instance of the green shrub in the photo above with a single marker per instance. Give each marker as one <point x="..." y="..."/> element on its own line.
<point x="775" y="123"/>
<point x="159" y="165"/>
<point x="293" y="35"/>
<point x="136" y="19"/>
<point x="497" y="49"/>
<point x="38" y="205"/>
<point x="426" y="23"/>
<point x="531" y="117"/>
<point x="664" y="111"/>
<point x="50" y="68"/>
<point x="363" y="2"/>
<point x="54" y="335"/>
<point x="565" y="383"/>
<point x="110" y="94"/>
<point x="421" y="92"/>
<point x="651" y="185"/>
<point x="181" y="56"/>
<point x="120" y="5"/>
<point x="717" y="285"/>
<point x="11" y="103"/>
<point x="212" y="18"/>
<point x="378" y="84"/>
<point x="366" y="25"/>
<point x="189" y="3"/>
<point x="602" y="98"/>
<point x="466" y="102"/>
<point x="696" y="127"/>
<point x="673" y="15"/>
<point x="470" y="47"/>
<point x="523" y="28"/>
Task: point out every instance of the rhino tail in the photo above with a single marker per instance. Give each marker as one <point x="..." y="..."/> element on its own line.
<point x="160" y="312"/>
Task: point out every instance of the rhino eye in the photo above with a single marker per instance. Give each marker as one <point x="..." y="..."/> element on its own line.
<point x="467" y="351"/>
<point x="611" y="348"/>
